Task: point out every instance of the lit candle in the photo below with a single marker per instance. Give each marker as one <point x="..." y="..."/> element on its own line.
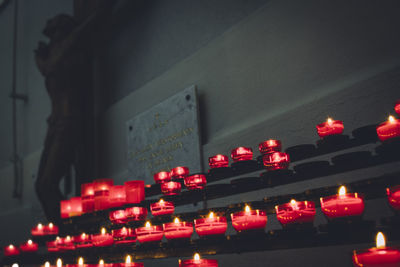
<point x="53" y="246"/>
<point x="47" y="264"/>
<point x="87" y="195"/>
<point x="124" y="236"/>
<point x="270" y="146"/>
<point x="388" y="129"/>
<point x="330" y="127"/>
<point x="10" y="250"/>
<point x="162" y="177"/>
<point x="171" y="188"/>
<point x="295" y="212"/>
<point x="178" y="229"/>
<point x="276" y="161"/>
<point x="128" y="263"/>
<point x="80" y="261"/>
<point x="117" y="196"/>
<point x="102" y="193"/>
<point x="218" y="161"/>
<point x="379" y="256"/>
<point x="162" y="208"/>
<point x="59" y="263"/>
<point x="149" y="233"/>
<point x="212" y="225"/>
<point x="242" y="154"/>
<point x="83" y="241"/>
<point x="195" y="181"/>
<point x="51" y="229"/>
<point x="249" y="219"/>
<point x="179" y="172"/>
<point x="29" y="246"/>
<point x="38" y="230"/>
<point x="71" y="207"/>
<point x="134" y="191"/>
<point x="103" y="239"/>
<point x="136" y="214"/>
<point x="397" y="107"/>
<point x="198" y="262"/>
<point x="118" y="216"/>
<point x="342" y="205"/>
<point x="66" y="243"/>
<point x="393" y="195"/>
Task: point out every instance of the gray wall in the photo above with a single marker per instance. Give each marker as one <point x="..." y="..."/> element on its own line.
<point x="263" y="69"/>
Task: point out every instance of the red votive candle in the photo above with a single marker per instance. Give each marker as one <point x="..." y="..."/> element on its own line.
<point x="162" y="208"/>
<point x="29" y="246"/>
<point x="71" y="207"/>
<point x="295" y="212"/>
<point x="103" y="239"/>
<point x="149" y="233"/>
<point x="330" y="127"/>
<point x="83" y="241"/>
<point x="249" y="219"/>
<point x="212" y="225"/>
<point x="87" y="195"/>
<point x="171" y="188"/>
<point x="242" y="153"/>
<point x="388" y="129"/>
<point x="66" y="243"/>
<point x="51" y="229"/>
<point x="195" y="181"/>
<point x="124" y="236"/>
<point x="198" y="262"/>
<point x="162" y="177"/>
<point x="179" y="172"/>
<point x="393" y="195"/>
<point x="118" y="216"/>
<point x="128" y="263"/>
<point x="270" y="146"/>
<point x="397" y="107"/>
<point x="136" y="214"/>
<point x="178" y="229"/>
<point x="117" y="196"/>
<point x="342" y="205"/>
<point x="134" y="191"/>
<point x="102" y="193"/>
<point x="218" y="161"/>
<point x="52" y="246"/>
<point x="10" y="250"/>
<point x="379" y="256"/>
<point x="276" y="161"/>
<point x="38" y="230"/>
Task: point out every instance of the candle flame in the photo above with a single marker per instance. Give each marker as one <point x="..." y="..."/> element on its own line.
<point x="30" y="242"/>
<point x="15" y="265"/>
<point x="329" y="120"/>
<point x="293" y="202"/>
<point x="59" y="263"/>
<point x="101" y="262"/>
<point x="148" y="224"/>
<point x="68" y="238"/>
<point x="211" y="215"/>
<point x="83" y="235"/>
<point x="103" y="231"/>
<point x="47" y="264"/>
<point x="57" y="238"/>
<point x="176" y="220"/>
<point x="39" y="226"/>
<point x="391" y="119"/>
<point x="380" y="240"/>
<point x="342" y="190"/>
<point x="128" y="259"/>
<point x="11" y="246"/>
<point x="247" y="208"/>
<point x="196" y="256"/>
<point x="161" y="201"/>
<point x="80" y="261"/>
<point x="51" y="225"/>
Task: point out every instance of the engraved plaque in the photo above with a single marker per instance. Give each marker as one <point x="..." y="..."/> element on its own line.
<point x="164" y="137"/>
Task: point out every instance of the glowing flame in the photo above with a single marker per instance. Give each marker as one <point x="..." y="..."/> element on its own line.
<point x="161" y="201"/>
<point x="83" y="235"/>
<point x="128" y="259"/>
<point x="103" y="231"/>
<point x="247" y="208"/>
<point x="148" y="224"/>
<point x="40" y="226"/>
<point x="51" y="225"/>
<point x="380" y="240"/>
<point x="391" y="119"/>
<point x="59" y="263"/>
<point x="293" y="202"/>
<point x="211" y="215"/>
<point x="101" y="262"/>
<point x="176" y="220"/>
<point x="196" y="257"/>
<point x="47" y="264"/>
<point x="80" y="261"/>
<point x="15" y="265"/>
<point x="329" y="121"/>
<point x="29" y="242"/>
<point x="342" y="190"/>
<point x="57" y="238"/>
<point x="68" y="238"/>
<point x="11" y="246"/>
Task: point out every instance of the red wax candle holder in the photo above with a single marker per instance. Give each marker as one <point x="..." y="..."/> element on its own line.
<point x="71" y="207"/>
<point x="162" y="208"/>
<point x="179" y="172"/>
<point x="195" y="181"/>
<point x="118" y="217"/>
<point x="103" y="239"/>
<point x="242" y="154"/>
<point x="393" y="195"/>
<point x="117" y="196"/>
<point x="388" y="129"/>
<point x="124" y="236"/>
<point x="65" y="243"/>
<point x="149" y="233"/>
<point x="330" y="127"/>
<point x="276" y="161"/>
<point x="102" y="193"/>
<point x="397" y="107"/>
<point x="83" y="241"/>
<point x="379" y="256"/>
<point x="136" y="214"/>
<point x="212" y="225"/>
<point x="38" y="230"/>
<point x="87" y="195"/>
<point x="129" y="264"/>
<point x="10" y="251"/>
<point x="52" y="246"/>
<point x="178" y="230"/>
<point x="51" y="229"/>
<point x="171" y="188"/>
<point x="162" y="177"/>
<point x="342" y="205"/>
<point x="295" y="212"/>
<point x="249" y="219"/>
<point x="218" y="161"/>
<point x="270" y="146"/>
<point x="197" y="262"/>
<point x="29" y="246"/>
<point x="134" y="191"/>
